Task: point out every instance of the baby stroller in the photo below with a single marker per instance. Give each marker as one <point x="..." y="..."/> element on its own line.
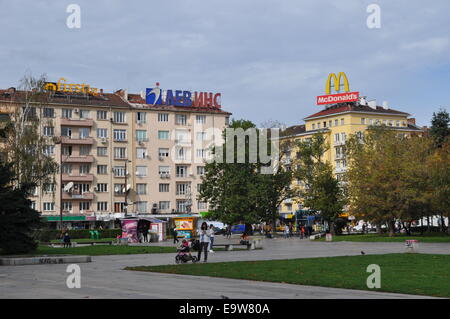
<point x="183" y="255"/>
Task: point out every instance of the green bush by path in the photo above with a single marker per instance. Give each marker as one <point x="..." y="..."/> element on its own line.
<point x="98" y="250"/>
<point x="47" y="235"/>
<point x="426" y="238"/>
<point x="420" y="274"/>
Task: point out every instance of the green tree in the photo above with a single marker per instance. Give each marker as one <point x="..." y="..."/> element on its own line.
<point x="237" y="191"/>
<point x="18" y="220"/>
<point x="320" y="190"/>
<point x="440" y="129"/>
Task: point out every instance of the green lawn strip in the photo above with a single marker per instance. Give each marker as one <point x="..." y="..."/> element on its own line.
<point x="84" y="240"/>
<point x="419" y="274"/>
<point x="98" y="250"/>
<point x="386" y="238"/>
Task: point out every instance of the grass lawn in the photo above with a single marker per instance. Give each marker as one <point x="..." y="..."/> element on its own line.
<point x="83" y="240"/>
<point x="427" y="238"/>
<point x="98" y="250"/>
<point x="420" y="274"/>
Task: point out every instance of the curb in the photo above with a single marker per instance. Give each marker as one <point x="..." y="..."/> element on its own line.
<point x="43" y="260"/>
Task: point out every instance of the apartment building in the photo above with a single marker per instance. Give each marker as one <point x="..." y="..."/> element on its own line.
<point x="337" y="122"/>
<point x="120" y="156"/>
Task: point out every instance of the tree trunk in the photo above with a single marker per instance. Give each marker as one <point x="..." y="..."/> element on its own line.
<point x="442" y="224"/>
<point x="428" y="224"/>
<point x="378" y="227"/>
<point x="332" y="230"/>
<point x="391" y="227"/>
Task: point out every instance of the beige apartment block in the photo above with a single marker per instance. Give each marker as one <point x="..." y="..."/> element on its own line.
<point x="116" y="149"/>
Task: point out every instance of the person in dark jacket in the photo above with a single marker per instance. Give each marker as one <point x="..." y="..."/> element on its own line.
<point x="66" y="240"/>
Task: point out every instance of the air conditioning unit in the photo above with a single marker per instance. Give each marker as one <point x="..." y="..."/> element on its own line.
<point x="104" y="140"/>
<point x="95" y="189"/>
<point x="161" y="158"/>
<point x="77" y="110"/>
<point x="141" y="143"/>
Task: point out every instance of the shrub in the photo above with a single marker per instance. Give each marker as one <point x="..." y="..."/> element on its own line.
<point x="49" y="234"/>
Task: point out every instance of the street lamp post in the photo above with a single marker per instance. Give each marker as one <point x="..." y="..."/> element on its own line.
<point x="126" y="190"/>
<point x="59" y="141"/>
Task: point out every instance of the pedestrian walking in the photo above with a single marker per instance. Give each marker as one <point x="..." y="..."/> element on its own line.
<point x="145" y="235"/>
<point x="204" y="242"/>
<point x="211" y="238"/>
<point x="286" y="231"/>
<point x="302" y="230"/>
<point x="228" y="233"/>
<point x="175" y="235"/>
<point x="66" y="240"/>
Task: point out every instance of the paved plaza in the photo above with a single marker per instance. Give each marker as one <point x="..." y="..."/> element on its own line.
<point x="104" y="277"/>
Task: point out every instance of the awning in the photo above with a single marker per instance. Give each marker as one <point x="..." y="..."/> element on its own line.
<point x="65" y="218"/>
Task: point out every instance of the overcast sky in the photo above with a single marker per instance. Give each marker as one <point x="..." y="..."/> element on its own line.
<point x="269" y="59"/>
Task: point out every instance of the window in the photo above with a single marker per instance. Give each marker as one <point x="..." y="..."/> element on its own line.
<point x="49" y="131"/>
<point x="163" y="117"/>
<point x="119" y="171"/>
<point x="49" y="187"/>
<point x="102" y="206"/>
<point x="84" y="114"/>
<point x="201" y="136"/>
<point x="164" y="170"/>
<point x="119" y="117"/>
<point x="391" y="123"/>
<point x="102" y="169"/>
<point x="324" y="124"/>
<point x="66" y="131"/>
<point x="141" y="189"/>
<point x="329" y="123"/>
<point x="120" y="135"/>
<point x="49" y="206"/>
<point x="141" y="117"/>
<point x="141" y="135"/>
<point x="371" y="122"/>
<point x="180" y="153"/>
<point x="181" y="171"/>
<point x="102" y="132"/>
<point x="119" y="207"/>
<point x="181" y="136"/>
<point x="318" y="125"/>
<point x="84" y="206"/>
<point x="163" y="188"/>
<point x="200" y="119"/>
<point x="102" y="151"/>
<point x="200" y="170"/>
<point x="202" y="205"/>
<point x="119" y="189"/>
<point x="363" y="120"/>
<point x="314" y="126"/>
<point x="181" y="206"/>
<point x="343" y="137"/>
<point x="180" y="119"/>
<point x="164" y="205"/>
<point x="85" y="150"/>
<point x="141" y="171"/>
<point x="67" y="206"/>
<point x="163" y="135"/>
<point x="84" y="132"/>
<point x="141" y="152"/>
<point x="182" y="188"/>
<point x="120" y="152"/>
<point x="342" y="121"/>
<point x="384" y="122"/>
<point x="66" y="168"/>
<point x="163" y="152"/>
<point x="336" y="137"/>
<point x="49" y="150"/>
<point x="102" y="115"/>
<point x="66" y="113"/>
<point x="102" y="187"/>
<point x="141" y="207"/>
<point x="397" y="123"/>
<point x="201" y="153"/>
<point x="85" y="168"/>
<point x="48" y="112"/>
<point x="336" y="122"/>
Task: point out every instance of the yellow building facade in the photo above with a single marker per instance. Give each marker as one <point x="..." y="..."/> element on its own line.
<point x="338" y="122"/>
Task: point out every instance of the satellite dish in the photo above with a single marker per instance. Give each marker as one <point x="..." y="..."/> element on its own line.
<point x="128" y="187"/>
<point x="68" y="186"/>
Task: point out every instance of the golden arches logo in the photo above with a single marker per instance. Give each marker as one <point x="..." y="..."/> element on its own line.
<point x="337" y="82"/>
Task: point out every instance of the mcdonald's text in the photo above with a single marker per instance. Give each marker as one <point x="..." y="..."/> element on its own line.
<point x="337" y="98"/>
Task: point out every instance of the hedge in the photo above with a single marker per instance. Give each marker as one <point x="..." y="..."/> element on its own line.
<point x="49" y="234"/>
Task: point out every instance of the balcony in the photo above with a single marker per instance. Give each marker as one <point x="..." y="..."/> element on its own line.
<point x="80" y="159"/>
<point x="84" y="196"/>
<point x="339" y="170"/>
<point x="79" y="141"/>
<point x="338" y="143"/>
<point x="80" y="123"/>
<point x="77" y="178"/>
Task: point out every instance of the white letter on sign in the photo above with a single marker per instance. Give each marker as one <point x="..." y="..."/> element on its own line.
<point x="374" y="20"/>
<point x="74" y="279"/>
<point x="73" y="20"/>
<point x="374" y="280"/>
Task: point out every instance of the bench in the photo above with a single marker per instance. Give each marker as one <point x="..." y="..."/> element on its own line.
<point x="252" y="244"/>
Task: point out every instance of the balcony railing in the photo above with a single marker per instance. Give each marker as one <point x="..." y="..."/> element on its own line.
<point x="77" y="178"/>
<point x="80" y="122"/>
<point x="83" y="196"/>
<point x="81" y="141"/>
<point x="80" y="159"/>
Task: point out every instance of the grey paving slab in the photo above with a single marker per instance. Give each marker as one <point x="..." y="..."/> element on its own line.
<point x="104" y="277"/>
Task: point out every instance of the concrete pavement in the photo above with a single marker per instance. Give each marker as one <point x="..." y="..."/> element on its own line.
<point x="105" y="277"/>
